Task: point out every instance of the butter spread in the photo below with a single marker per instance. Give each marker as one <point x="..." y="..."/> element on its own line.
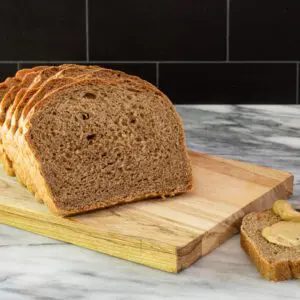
<point x="285" y="211"/>
<point x="283" y="233"/>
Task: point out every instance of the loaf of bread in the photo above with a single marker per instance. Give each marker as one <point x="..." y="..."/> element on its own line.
<point x="83" y="138"/>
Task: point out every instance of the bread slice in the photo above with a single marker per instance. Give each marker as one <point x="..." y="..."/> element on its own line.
<point x="53" y="83"/>
<point x="96" y="143"/>
<point x="274" y="262"/>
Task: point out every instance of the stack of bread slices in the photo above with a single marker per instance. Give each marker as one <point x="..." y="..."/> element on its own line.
<point x="85" y="137"/>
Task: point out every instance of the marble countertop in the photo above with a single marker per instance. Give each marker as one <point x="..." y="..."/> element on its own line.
<point x="34" y="267"/>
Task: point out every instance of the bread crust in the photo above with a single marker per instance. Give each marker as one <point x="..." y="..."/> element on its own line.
<point x="280" y="270"/>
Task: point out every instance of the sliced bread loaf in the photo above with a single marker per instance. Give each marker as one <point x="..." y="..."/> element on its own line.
<point x="274" y="262"/>
<point x="96" y="143"/>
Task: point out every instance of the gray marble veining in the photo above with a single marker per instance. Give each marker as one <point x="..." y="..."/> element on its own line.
<point x="34" y="267"/>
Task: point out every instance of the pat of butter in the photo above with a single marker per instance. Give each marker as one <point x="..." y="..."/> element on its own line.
<point x="283" y="233"/>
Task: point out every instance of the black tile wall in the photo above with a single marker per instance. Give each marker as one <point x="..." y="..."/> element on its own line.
<point x="229" y="83"/>
<point x="157" y="30"/>
<point x="264" y="30"/>
<point x="208" y="51"/>
<point x="42" y="30"/>
<point x="7" y="70"/>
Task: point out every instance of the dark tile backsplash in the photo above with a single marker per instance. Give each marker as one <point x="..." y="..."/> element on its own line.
<point x="209" y="51"/>
<point x="157" y="30"/>
<point x="42" y="30"/>
<point x="145" y="71"/>
<point x="264" y="30"/>
<point x="7" y="70"/>
<point x="229" y="83"/>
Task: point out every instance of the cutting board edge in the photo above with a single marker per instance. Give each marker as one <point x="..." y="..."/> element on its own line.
<point x="156" y="255"/>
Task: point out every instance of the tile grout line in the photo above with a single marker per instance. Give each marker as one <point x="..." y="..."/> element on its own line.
<point x="157" y="75"/>
<point x="297" y="83"/>
<point x="87" y="38"/>
<point x="153" y="62"/>
<point x="227" y="29"/>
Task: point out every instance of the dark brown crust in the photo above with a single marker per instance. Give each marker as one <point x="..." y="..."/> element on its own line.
<point x="271" y="270"/>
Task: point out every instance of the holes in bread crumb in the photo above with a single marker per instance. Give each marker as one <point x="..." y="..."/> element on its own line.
<point x="132" y="120"/>
<point x="85" y="116"/>
<point x="104" y="154"/>
<point x="89" y="96"/>
<point x="90" y="137"/>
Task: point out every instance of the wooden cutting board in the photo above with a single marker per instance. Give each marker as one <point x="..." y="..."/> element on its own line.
<point x="166" y="234"/>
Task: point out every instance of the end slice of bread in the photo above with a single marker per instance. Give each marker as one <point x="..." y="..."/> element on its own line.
<point x="274" y="262"/>
<point x="97" y="143"/>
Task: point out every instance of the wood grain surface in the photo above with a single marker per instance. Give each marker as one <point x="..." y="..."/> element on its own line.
<point x="168" y="234"/>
